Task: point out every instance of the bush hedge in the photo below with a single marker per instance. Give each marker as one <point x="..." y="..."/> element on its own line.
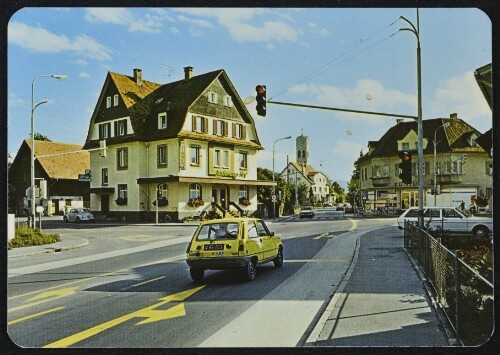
<point x="26" y="237"/>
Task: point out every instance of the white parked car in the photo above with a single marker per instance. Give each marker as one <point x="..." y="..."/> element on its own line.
<point x="78" y="214"/>
<point x="449" y="219"/>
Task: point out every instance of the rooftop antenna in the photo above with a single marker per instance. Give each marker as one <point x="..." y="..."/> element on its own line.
<point x="168" y="70"/>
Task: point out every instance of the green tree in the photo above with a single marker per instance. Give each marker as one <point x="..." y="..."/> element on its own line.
<point x="338" y="190"/>
<point x="353" y="186"/>
<point x="41" y="137"/>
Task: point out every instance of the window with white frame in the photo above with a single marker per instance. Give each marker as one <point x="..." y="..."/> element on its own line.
<point x="104" y="130"/>
<point x="121" y="128"/>
<point x="243" y="160"/>
<point x="122" y="191"/>
<point x="225" y="158"/>
<point x="162" y="120"/>
<point x="162" y="156"/>
<point x="163" y="191"/>
<point x="104" y="176"/>
<point x="115" y="100"/>
<point x="212" y="97"/>
<point x="219" y="128"/>
<point x="195" y="154"/>
<point x="243" y="192"/>
<point x="405" y="145"/>
<point x="122" y="158"/>
<point x="385" y="171"/>
<point x="194" y="191"/>
<point x="488" y="167"/>
<point x="200" y="124"/>
<point x="108" y="102"/>
<point x="221" y="158"/>
<point x="228" y="101"/>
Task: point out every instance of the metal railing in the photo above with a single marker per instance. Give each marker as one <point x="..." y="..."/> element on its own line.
<point x="465" y="296"/>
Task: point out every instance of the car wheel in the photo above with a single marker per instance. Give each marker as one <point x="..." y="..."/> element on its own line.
<point x="77" y="220"/>
<point x="65" y="219"/>
<point x="278" y="260"/>
<point x="196" y="274"/>
<point x="251" y="270"/>
<point x="480" y="232"/>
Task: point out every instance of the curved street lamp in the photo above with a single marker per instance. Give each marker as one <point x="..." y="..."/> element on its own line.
<point x="416" y="32"/>
<point x="274" y="187"/>
<point x="33" y="107"/>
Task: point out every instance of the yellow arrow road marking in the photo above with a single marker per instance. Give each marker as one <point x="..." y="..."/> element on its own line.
<point x="150" y="313"/>
<point x="354" y="224"/>
<point x="45" y="297"/>
<point x="34" y="315"/>
<point x="324" y="235"/>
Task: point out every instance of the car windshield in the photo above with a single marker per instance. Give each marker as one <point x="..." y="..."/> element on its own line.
<point x="215" y="231"/>
<point x="306" y="208"/>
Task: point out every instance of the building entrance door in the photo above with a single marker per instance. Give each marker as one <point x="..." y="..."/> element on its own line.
<point x="409" y="199"/>
<point x="104" y="203"/>
<point x="220" y="195"/>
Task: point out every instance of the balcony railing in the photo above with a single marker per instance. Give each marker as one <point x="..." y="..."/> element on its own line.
<point x="449" y="178"/>
<point x="380" y="181"/>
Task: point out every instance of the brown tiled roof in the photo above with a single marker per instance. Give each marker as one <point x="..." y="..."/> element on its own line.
<point x="451" y="138"/>
<point x="65" y="166"/>
<point x="129" y="90"/>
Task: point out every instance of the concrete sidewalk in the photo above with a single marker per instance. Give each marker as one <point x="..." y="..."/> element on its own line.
<point x="382" y="301"/>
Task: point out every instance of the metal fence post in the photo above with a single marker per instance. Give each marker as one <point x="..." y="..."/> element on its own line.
<point x="457" y="294"/>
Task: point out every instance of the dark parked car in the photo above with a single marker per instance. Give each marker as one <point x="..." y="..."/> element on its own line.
<point x="307" y="211"/>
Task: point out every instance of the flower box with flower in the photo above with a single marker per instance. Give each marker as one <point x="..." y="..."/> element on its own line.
<point x="196" y="202"/>
<point x="162" y="202"/>
<point x="121" y="201"/>
<point x="244" y="201"/>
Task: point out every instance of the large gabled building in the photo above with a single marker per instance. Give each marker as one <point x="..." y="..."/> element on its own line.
<point x="186" y="147"/>
<point x="463" y="169"/>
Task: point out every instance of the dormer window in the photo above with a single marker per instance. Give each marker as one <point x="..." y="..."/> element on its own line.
<point x="104" y="130"/>
<point x="162" y="120"/>
<point x="108" y="102"/>
<point x="115" y="100"/>
<point x="405" y="146"/>
<point x="228" y="101"/>
<point x="212" y="97"/>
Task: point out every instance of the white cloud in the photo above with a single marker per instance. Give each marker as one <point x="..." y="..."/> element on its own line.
<point x="238" y="23"/>
<point x="84" y="75"/>
<point x="40" y="40"/>
<point x="460" y="94"/>
<point x="323" y="32"/>
<point x="150" y="23"/>
<point x="81" y="62"/>
<point x="196" y="22"/>
<point x="174" y="30"/>
<point x="14" y="101"/>
<point x="270" y="46"/>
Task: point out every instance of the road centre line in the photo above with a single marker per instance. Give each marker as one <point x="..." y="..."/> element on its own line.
<point x="167" y="260"/>
<point x="346" y="261"/>
<point x="34" y="315"/>
<point x="144" y="282"/>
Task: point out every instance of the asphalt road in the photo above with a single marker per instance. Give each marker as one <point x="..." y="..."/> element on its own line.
<point x="130" y="287"/>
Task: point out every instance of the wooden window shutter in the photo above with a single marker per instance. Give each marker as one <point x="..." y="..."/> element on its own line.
<point x="193" y="123"/>
<point x="243" y="132"/>
<point x="226" y="129"/>
<point x="234" y="130"/>
<point x="205" y="125"/>
<point x="116" y="129"/>
<point x="214" y="127"/>
<point x="101" y="131"/>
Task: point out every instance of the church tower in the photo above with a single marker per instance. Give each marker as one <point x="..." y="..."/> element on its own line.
<point x="302" y="149"/>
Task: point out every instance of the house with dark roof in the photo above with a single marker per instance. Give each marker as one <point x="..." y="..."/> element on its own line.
<point x="316" y="181"/>
<point x="180" y="148"/>
<point x="459" y="171"/>
<point x="57" y="169"/>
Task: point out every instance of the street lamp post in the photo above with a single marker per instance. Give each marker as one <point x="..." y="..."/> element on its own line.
<point x="33" y="107"/>
<point x="435" y="166"/>
<point x="420" y="131"/>
<point x="274" y="187"/>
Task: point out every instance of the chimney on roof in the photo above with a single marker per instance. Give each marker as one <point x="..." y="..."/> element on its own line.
<point x="138" y="76"/>
<point x="454" y="115"/>
<point x="188" y="73"/>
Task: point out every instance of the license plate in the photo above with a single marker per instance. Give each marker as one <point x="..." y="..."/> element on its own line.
<point x="213" y="247"/>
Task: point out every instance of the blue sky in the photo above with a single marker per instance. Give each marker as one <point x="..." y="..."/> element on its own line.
<point x="344" y="58"/>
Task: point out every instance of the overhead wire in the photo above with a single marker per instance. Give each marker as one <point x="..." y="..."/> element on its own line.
<point x="330" y="65"/>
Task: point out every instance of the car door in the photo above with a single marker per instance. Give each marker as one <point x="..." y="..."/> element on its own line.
<point x="253" y="243"/>
<point x="453" y="221"/>
<point x="268" y="244"/>
<point x="432" y="218"/>
<point x="72" y="214"/>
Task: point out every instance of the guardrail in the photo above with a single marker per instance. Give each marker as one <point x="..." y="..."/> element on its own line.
<point x="465" y="296"/>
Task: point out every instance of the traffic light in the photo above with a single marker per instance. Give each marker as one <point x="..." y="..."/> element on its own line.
<point x="261" y="100"/>
<point x="405" y="167"/>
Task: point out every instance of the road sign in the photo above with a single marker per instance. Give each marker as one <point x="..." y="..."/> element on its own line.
<point x="274" y="198"/>
<point x="87" y="171"/>
<point x="83" y="177"/>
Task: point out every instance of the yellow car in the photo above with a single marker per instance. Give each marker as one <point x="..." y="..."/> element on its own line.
<point x="232" y="243"/>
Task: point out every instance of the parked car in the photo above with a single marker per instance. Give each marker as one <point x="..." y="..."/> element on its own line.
<point x="449" y="219"/>
<point x="229" y="243"/>
<point x="307" y="211"/>
<point x="340" y="207"/>
<point x="78" y="214"/>
<point x="348" y="208"/>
